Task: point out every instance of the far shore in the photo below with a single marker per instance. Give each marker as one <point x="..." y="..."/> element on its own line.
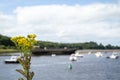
<point x="8" y="50"/>
<point x="98" y="50"/>
<point x="84" y="51"/>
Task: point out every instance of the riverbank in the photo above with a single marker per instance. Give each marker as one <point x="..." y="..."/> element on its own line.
<point x="85" y="51"/>
<point x="8" y="50"/>
<point x="98" y="50"/>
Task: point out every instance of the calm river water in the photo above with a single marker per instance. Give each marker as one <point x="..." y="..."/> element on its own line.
<point x="56" y="68"/>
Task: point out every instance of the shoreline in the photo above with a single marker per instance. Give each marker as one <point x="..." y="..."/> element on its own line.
<point x="8" y="51"/>
<point x="97" y="50"/>
<point x="84" y="51"/>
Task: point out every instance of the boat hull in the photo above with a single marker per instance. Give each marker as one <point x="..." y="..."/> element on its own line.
<point x="39" y="51"/>
<point x="11" y="61"/>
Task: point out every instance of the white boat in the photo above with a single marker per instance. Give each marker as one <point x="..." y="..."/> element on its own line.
<point x="78" y="54"/>
<point x="13" y="59"/>
<point x="89" y="52"/>
<point x="72" y="57"/>
<point x="113" y="56"/>
<point x="53" y="55"/>
<point x="98" y="54"/>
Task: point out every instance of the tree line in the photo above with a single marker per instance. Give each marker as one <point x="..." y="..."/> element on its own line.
<point x="5" y="42"/>
<point x="85" y="45"/>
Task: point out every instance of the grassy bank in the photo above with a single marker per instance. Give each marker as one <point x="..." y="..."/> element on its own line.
<point x="8" y="50"/>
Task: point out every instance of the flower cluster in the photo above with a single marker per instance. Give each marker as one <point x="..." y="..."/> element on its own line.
<point x="25" y="44"/>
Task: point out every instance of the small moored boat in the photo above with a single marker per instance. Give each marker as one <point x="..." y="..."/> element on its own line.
<point x="72" y="57"/>
<point x="89" y="52"/>
<point x="53" y="55"/>
<point x="78" y="54"/>
<point x="113" y="56"/>
<point x="98" y="54"/>
<point x="13" y="59"/>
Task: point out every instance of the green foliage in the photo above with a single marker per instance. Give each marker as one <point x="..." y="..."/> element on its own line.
<point x="2" y="47"/>
<point x="26" y="67"/>
<point x="5" y="42"/>
<point x="86" y="45"/>
<point x="25" y="45"/>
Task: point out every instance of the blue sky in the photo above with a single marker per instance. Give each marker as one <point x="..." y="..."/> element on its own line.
<point x="8" y="5"/>
<point x="62" y="20"/>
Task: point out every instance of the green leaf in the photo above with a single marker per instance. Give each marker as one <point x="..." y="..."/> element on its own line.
<point x="31" y="75"/>
<point x="21" y="72"/>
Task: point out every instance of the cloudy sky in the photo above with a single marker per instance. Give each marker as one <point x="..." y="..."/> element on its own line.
<point x="62" y="20"/>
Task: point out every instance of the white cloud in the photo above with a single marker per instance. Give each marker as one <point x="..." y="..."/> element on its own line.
<point x="64" y="23"/>
<point x="7" y="22"/>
